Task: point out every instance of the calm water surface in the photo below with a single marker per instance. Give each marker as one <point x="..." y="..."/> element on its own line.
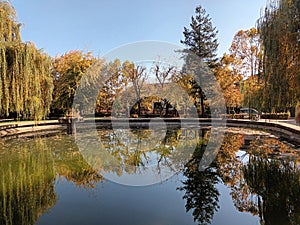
<point x="48" y="181"/>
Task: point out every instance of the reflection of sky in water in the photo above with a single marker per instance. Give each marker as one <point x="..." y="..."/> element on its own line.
<point x="55" y="165"/>
<point x="111" y="204"/>
<point x="227" y="214"/>
<point x="242" y="156"/>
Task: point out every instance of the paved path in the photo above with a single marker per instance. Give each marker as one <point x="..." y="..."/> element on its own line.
<point x="21" y="123"/>
<point x="288" y="123"/>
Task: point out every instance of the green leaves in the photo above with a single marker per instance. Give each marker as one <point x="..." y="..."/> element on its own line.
<point x="25" y="78"/>
<point x="201" y="37"/>
<point x="279" y="30"/>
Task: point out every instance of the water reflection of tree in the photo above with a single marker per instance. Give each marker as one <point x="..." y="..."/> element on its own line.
<point x="69" y="163"/>
<point x="275" y="181"/>
<point x="201" y="194"/>
<point x="267" y="184"/>
<point x="27" y="182"/>
<point x="229" y="168"/>
<point x="28" y="172"/>
<point x="277" y="186"/>
<point x="134" y="150"/>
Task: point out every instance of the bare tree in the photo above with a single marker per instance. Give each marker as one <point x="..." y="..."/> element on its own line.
<point x="163" y="74"/>
<point x="137" y="75"/>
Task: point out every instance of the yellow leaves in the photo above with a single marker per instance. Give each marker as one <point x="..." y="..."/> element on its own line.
<point x="228" y="78"/>
<point x="68" y="69"/>
<point x="26" y="79"/>
<point x="128" y="69"/>
<point x="246" y="50"/>
<point x="75" y="61"/>
<point x="9" y="28"/>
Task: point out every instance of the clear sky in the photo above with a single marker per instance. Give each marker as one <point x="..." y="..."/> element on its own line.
<point x="99" y="26"/>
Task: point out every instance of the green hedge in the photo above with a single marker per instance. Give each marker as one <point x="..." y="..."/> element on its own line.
<point x="235" y="116"/>
<point x="275" y="116"/>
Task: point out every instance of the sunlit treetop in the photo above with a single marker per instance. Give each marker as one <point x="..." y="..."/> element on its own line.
<point x="25" y="79"/>
<point x="9" y="26"/>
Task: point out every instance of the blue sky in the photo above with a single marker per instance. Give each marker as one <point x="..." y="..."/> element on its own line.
<point x="99" y="26"/>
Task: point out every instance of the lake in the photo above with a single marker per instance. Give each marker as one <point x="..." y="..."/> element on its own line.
<point x="254" y="179"/>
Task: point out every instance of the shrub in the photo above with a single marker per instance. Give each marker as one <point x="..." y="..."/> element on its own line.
<point x="238" y="116"/>
<point x="275" y="116"/>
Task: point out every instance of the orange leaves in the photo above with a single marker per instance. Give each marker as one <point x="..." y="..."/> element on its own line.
<point x="266" y="147"/>
<point x="246" y="50"/>
<point x="228" y="78"/>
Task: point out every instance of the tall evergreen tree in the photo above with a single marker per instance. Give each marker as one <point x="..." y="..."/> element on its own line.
<point x="200" y="39"/>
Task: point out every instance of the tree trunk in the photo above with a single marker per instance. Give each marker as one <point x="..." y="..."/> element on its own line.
<point x="202" y="105"/>
<point x="139" y="108"/>
<point x="297" y="113"/>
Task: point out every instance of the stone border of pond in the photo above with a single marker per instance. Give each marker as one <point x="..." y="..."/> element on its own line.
<point x="28" y="128"/>
<point x="282" y="129"/>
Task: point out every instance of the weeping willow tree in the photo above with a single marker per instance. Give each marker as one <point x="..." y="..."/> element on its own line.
<point x="27" y="180"/>
<point x="25" y="78"/>
<point x="279" y="31"/>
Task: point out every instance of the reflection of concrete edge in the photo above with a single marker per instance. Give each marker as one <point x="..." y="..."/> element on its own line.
<point x="31" y="130"/>
<point x="285" y="130"/>
<point x="289" y="132"/>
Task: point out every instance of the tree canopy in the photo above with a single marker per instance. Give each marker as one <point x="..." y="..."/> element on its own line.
<point x="279" y="31"/>
<point x="200" y="39"/>
<point x="261" y="69"/>
<point x="68" y="69"/>
<point x="228" y="78"/>
<point x="25" y="77"/>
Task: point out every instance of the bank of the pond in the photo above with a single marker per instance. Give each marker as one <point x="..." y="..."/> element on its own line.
<point x="285" y="128"/>
<point x="29" y="128"/>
